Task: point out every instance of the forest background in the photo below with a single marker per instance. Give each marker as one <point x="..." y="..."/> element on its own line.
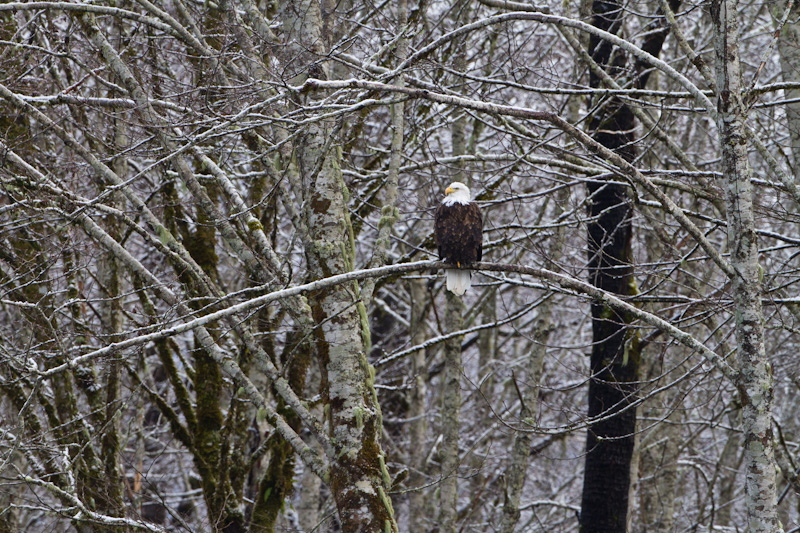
<point x="220" y="308"/>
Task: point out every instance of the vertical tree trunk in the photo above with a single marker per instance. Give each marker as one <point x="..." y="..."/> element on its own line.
<point x="521" y="447"/>
<point x="615" y="354"/>
<point x="451" y="407"/>
<point x="754" y="380"/>
<point x="277" y="483"/>
<point x="113" y="319"/>
<point x="481" y="409"/>
<point x="789" y="50"/>
<point x="359" y="479"/>
<point x="417" y="407"/>
<point x="659" y="458"/>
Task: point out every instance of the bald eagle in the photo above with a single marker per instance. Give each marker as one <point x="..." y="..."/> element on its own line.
<point x="458" y="231"/>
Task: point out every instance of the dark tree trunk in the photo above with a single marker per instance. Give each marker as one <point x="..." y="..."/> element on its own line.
<point x="615" y="369"/>
<point x="615" y="357"/>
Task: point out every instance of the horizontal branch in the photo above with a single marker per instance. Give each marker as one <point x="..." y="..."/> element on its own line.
<point x="623" y="167"/>
<point x="87" y="8"/>
<point x="86" y="514"/>
<point x="575" y="285"/>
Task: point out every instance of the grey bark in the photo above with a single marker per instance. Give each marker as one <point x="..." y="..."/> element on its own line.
<point x="789" y="51"/>
<point x="754" y="379"/>
<point x="659" y="453"/>
<point x="417" y="409"/>
<point x="521" y="446"/>
<point x="359" y="480"/>
<point x="451" y="409"/>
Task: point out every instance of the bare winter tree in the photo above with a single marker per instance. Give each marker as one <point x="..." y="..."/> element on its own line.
<point x="221" y="307"/>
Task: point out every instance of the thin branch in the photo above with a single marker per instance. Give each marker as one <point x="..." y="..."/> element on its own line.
<point x="567" y="282"/>
<point x="625" y="168"/>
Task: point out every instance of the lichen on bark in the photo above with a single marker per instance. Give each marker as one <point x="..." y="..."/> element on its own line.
<point x="754" y="378"/>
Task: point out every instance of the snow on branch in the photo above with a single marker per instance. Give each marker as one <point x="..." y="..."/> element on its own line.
<point x="566" y="282"/>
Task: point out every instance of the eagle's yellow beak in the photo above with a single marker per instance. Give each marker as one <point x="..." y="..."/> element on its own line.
<point x="449" y="190"/>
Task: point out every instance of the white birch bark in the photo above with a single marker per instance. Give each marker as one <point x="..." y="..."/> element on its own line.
<point x="359" y="479"/>
<point x="754" y="379"/>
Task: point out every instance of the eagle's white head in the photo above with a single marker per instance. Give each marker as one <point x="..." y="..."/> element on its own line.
<point x="456" y="193"/>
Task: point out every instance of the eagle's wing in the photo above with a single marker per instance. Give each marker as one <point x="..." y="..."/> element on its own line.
<point x="478" y="230"/>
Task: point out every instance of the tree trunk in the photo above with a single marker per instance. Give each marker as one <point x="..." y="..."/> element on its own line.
<point x="451" y="408"/>
<point x="789" y="50"/>
<point x="417" y="408"/>
<point x="359" y="480"/>
<point x="659" y="454"/>
<point x="754" y="380"/>
<point x="358" y="477"/>
<point x="615" y="355"/>
<point x="521" y="446"/>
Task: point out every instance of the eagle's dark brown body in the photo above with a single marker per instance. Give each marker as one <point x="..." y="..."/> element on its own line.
<point x="458" y="231"/>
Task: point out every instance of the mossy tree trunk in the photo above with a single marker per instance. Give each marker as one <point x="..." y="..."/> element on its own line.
<point x="359" y="480"/>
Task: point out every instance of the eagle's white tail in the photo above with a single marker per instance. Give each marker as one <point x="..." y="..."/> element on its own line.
<point x="458" y="281"/>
